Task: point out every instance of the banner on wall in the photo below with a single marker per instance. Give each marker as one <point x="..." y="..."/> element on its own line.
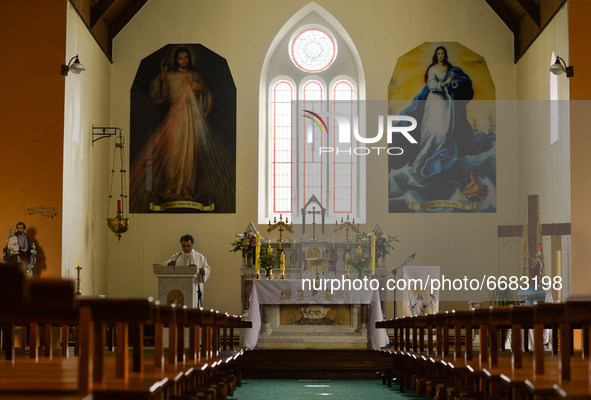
<point x="420" y="298"/>
<point x="448" y="90"/>
<point x="183" y="133"/>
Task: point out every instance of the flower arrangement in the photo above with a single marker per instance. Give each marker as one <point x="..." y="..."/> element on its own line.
<point x="383" y="242"/>
<point x="359" y="261"/>
<point x="244" y="242"/>
<point x="269" y="259"/>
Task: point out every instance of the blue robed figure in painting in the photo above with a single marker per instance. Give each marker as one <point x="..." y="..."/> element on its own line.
<point x="439" y="167"/>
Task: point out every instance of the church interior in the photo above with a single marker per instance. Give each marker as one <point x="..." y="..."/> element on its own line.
<point x="72" y="138"/>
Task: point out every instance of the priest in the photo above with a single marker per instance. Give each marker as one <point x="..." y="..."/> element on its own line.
<point x="189" y="256"/>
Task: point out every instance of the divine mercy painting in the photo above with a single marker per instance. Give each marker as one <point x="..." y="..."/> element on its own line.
<point x="448" y="90"/>
<point x="183" y="133"/>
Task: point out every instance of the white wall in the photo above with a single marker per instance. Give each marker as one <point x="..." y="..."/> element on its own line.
<point x="241" y="31"/>
<point x="86" y="166"/>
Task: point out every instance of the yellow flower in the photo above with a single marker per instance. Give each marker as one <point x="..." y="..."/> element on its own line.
<point x="245" y="242"/>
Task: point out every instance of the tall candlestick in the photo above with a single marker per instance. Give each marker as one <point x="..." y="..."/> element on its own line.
<point x="373" y="255"/>
<point x="257" y="259"/>
<point x="557" y="272"/>
<point x="347" y="266"/>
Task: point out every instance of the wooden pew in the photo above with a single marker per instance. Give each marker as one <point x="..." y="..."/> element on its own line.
<point x="108" y="377"/>
<point x="25" y="302"/>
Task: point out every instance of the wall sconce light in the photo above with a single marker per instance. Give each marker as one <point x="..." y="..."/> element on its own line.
<point x="560" y="66"/>
<point x="75" y="67"/>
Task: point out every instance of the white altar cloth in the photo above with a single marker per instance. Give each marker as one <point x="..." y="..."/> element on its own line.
<point x="290" y="291"/>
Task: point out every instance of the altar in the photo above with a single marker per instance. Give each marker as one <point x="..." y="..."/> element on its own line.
<point x="287" y="315"/>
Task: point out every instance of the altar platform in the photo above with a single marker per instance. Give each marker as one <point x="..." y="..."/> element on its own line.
<point x="287" y="315"/>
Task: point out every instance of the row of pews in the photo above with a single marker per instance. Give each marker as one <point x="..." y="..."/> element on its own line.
<point x="433" y="355"/>
<point x="198" y="368"/>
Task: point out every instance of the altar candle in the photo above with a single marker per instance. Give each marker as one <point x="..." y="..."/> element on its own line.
<point x="557" y="272"/>
<point x="557" y="263"/>
<point x="373" y="254"/>
<point x="359" y="251"/>
<point x="347" y="266"/>
<point x="282" y="263"/>
<point x="257" y="262"/>
<point x="270" y="248"/>
<point x="118" y="205"/>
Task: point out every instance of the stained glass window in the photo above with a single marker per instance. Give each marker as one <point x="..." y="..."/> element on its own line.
<point x="313" y="50"/>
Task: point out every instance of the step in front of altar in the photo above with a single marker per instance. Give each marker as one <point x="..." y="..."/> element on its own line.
<point x="313" y="364"/>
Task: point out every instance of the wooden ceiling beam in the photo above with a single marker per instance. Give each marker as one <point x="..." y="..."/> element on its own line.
<point x="505" y="14"/>
<point x="532" y="9"/>
<point x="98" y="10"/>
<point x="124" y="17"/>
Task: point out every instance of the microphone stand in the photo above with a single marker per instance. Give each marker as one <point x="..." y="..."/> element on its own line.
<point x="395" y="270"/>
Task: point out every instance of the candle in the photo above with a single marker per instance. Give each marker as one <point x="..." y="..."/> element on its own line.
<point x="270" y="248"/>
<point x="359" y="251"/>
<point x="282" y="263"/>
<point x="257" y="263"/>
<point x="118" y="205"/>
<point x="557" y="273"/>
<point x="373" y="254"/>
<point x="347" y="266"/>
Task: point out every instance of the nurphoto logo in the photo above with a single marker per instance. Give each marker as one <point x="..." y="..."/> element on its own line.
<point x="347" y="124"/>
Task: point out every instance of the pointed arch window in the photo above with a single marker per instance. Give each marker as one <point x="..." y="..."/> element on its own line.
<point x="309" y="71"/>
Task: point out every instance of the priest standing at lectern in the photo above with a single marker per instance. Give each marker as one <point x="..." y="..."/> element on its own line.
<point x="188" y="256"/>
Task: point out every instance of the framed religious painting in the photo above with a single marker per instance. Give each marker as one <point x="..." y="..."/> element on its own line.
<point x="183" y="133"/>
<point x="448" y="90"/>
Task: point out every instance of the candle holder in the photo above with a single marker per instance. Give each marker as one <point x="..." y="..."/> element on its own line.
<point x="282" y="276"/>
<point x="347" y="226"/>
<point x="78" y="292"/>
<point x="280" y="226"/>
<point x="257" y="277"/>
<point x="118" y="225"/>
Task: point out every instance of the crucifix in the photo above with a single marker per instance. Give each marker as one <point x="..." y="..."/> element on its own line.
<point x="553" y="230"/>
<point x="347" y="226"/>
<point x="313" y="212"/>
<point x="313" y="200"/>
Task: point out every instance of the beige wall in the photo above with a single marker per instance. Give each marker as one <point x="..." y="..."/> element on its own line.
<point x="544" y="168"/>
<point x="86" y="165"/>
<point x="241" y="31"/>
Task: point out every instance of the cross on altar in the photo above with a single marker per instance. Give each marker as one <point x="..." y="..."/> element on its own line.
<point x="313" y="212"/>
<point x="554" y="230"/>
<point x="322" y="212"/>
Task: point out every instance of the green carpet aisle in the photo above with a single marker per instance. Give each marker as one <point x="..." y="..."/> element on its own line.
<point x="284" y="389"/>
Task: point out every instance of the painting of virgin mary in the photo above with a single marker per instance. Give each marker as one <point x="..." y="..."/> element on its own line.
<point x="453" y="167"/>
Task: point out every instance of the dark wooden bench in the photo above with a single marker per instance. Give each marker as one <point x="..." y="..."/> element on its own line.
<point x="201" y="369"/>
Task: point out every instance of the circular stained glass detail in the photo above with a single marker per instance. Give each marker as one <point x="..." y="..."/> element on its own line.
<point x="313" y="50"/>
